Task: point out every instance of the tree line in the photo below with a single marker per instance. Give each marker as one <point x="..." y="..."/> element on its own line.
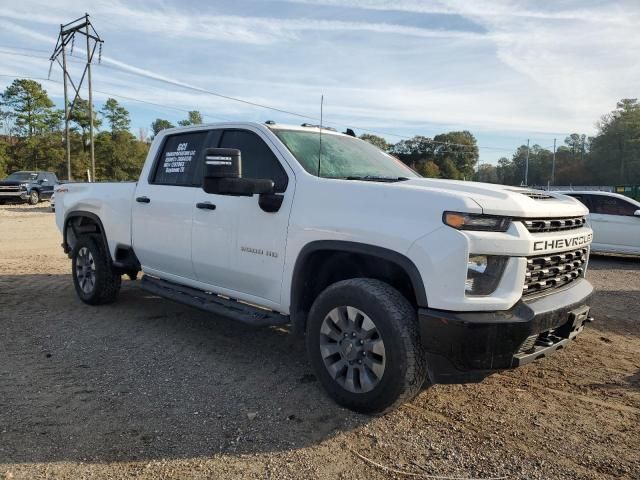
<point x="32" y="135"/>
<point x="610" y="157"/>
<point x="33" y="139"/>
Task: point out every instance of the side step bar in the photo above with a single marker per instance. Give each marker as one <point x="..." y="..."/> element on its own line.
<point x="210" y="302"/>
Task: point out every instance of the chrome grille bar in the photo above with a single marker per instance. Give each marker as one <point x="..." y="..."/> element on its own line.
<point x="545" y="272"/>
<point x="553" y="224"/>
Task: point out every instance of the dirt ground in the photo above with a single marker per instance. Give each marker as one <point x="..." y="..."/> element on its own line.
<point x="146" y="388"/>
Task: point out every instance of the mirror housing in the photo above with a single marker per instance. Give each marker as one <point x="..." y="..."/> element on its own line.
<point x="636" y="213"/>
<point x="223" y="175"/>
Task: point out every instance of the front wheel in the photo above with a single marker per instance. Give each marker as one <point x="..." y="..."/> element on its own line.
<point x="93" y="277"/>
<point x="363" y="343"/>
<point x="34" y="197"/>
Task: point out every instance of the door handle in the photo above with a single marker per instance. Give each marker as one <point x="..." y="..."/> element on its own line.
<point x="205" y="206"/>
<point x="143" y="200"/>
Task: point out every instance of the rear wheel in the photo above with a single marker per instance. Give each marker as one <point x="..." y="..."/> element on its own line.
<point x="34" y="197"/>
<point x="363" y="343"/>
<point x="93" y="277"/>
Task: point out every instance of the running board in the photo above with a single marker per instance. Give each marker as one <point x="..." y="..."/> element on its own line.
<point x="210" y="302"/>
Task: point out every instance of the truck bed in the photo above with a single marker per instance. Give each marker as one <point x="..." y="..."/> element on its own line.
<point x="111" y="202"/>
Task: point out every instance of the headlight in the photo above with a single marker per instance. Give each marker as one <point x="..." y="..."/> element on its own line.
<point x="24" y="186"/>
<point x="484" y="273"/>
<point x="476" y="221"/>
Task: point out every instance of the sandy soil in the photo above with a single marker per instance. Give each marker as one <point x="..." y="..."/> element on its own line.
<point x="146" y="388"/>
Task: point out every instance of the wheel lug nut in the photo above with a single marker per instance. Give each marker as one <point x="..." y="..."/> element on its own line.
<point x="353" y="334"/>
<point x="361" y="342"/>
<point x="360" y="362"/>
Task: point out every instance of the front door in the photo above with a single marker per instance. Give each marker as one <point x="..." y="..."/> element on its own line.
<point x="238" y="247"/>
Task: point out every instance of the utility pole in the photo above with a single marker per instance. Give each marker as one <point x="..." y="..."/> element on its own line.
<point x="553" y="164"/>
<point x="80" y="26"/>
<point x="526" y="167"/>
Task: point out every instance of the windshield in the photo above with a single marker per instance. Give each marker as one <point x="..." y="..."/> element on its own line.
<point x="22" y="176"/>
<point x="342" y="156"/>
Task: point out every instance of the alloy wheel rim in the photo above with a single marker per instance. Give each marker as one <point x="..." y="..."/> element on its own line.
<point x="352" y="349"/>
<point x="85" y="270"/>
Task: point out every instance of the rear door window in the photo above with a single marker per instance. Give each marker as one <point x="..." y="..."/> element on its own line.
<point x="178" y="160"/>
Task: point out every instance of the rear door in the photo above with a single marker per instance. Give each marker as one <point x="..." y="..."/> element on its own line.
<point x="163" y="207"/>
<point x="239" y="248"/>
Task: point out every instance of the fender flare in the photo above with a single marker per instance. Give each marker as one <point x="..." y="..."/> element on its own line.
<point x="399" y="259"/>
<point x="92" y="216"/>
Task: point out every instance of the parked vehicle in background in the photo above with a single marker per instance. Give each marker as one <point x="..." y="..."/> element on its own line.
<point x="52" y="202"/>
<point x="388" y="276"/>
<point x="615" y="220"/>
<point x="30" y="187"/>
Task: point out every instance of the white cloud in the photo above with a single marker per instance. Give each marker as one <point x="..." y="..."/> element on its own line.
<point x="526" y="66"/>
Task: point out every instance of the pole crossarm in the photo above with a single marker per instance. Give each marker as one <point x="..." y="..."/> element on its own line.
<point x="79" y="26"/>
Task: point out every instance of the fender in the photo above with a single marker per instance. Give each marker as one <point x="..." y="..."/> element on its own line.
<point x="355" y="247"/>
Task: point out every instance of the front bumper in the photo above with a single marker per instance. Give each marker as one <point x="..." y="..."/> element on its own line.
<point x="467" y="346"/>
<point x="16" y="195"/>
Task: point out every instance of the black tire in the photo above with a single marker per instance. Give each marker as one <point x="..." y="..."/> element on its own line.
<point x="404" y="370"/>
<point x="34" y="197"/>
<point x="106" y="283"/>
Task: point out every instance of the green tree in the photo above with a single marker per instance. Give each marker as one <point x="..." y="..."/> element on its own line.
<point x="430" y="170"/>
<point x="119" y="156"/>
<point x="79" y="116"/>
<point x="487" y="173"/>
<point x="194" y="118"/>
<point x="4" y="158"/>
<point x="30" y="107"/>
<point x="615" y="151"/>
<point x="160" y="124"/>
<point x="35" y="122"/>
<point x="379" y="142"/>
<point x="116" y="115"/>
<point x="414" y="151"/>
<point x="461" y="148"/>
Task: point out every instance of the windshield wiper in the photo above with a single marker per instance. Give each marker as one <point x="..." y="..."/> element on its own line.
<point x="373" y="178"/>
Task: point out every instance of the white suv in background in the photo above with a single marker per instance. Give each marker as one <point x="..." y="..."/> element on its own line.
<point x="615" y="220"/>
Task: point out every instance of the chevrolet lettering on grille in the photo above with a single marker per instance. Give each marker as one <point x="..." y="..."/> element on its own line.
<point x="559" y="243"/>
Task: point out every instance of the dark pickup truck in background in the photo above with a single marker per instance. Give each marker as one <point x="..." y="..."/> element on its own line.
<point x="29" y="187"/>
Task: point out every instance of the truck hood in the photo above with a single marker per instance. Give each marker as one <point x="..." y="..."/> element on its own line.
<point x="505" y="200"/>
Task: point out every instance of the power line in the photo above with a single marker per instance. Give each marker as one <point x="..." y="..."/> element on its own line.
<point x="117" y="95"/>
<point x="162" y="79"/>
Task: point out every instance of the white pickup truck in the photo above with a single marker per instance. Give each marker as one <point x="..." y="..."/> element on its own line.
<point x="391" y="278"/>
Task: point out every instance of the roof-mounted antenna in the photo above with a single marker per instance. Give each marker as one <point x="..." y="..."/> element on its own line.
<point x="320" y="148"/>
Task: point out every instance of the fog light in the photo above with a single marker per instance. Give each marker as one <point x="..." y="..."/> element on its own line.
<point x="484" y="273"/>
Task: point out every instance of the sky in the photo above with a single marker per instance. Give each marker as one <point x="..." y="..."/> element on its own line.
<point x="507" y="71"/>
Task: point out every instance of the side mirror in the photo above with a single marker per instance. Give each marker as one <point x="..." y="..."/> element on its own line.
<point x="636" y="213"/>
<point x="223" y="175"/>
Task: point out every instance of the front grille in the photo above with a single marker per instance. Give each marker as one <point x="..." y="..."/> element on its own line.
<point x="554" y="224"/>
<point x="9" y="189"/>
<point x="545" y="272"/>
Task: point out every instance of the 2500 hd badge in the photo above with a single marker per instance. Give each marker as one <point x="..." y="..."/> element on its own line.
<point x="562" y="243"/>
